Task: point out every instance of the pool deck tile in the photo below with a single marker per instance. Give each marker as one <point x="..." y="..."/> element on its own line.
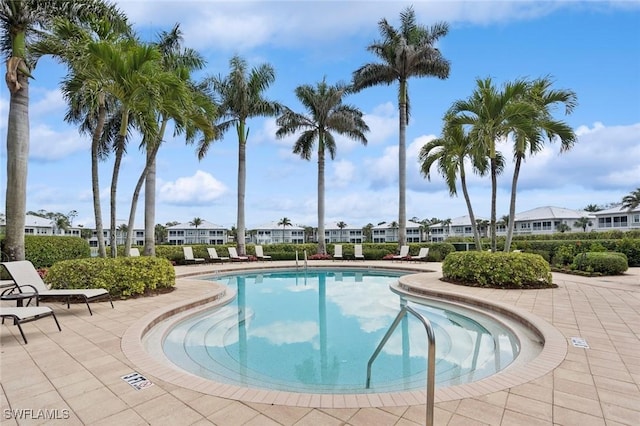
<point x="74" y="371"/>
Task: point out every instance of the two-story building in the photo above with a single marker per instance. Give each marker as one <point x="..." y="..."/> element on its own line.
<point x="272" y="233"/>
<point x="205" y="233"/>
<point x="389" y="232"/>
<point x="617" y="218"/>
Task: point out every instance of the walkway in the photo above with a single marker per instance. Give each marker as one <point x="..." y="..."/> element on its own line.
<point x="75" y="375"/>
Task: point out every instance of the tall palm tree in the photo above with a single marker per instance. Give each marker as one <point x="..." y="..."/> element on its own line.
<point x="21" y="23"/>
<point x="405" y="52"/>
<point x="193" y="122"/>
<point x="492" y="115"/>
<point x="631" y="201"/>
<point x="284" y="222"/>
<point x="89" y="106"/>
<point x="450" y="153"/>
<point x="196" y="222"/>
<point x="326" y="114"/>
<point x="543" y="98"/>
<point x="240" y="96"/>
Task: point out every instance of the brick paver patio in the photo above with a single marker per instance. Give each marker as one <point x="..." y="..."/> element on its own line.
<point x="74" y="376"/>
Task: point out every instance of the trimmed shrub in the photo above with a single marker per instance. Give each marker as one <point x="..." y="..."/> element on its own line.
<point x="499" y="270"/>
<point x="45" y="250"/>
<point x="122" y="277"/>
<point x="606" y="263"/>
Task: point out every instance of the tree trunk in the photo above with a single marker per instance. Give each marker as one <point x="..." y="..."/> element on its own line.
<point x="95" y="180"/>
<point x="242" y="183"/>
<point x="494" y="188"/>
<point x="17" y="165"/>
<point x="150" y="194"/>
<point x="322" y="248"/>
<point x="463" y="184"/>
<point x="402" y="166"/>
<point x="512" y="204"/>
<point x="114" y="185"/>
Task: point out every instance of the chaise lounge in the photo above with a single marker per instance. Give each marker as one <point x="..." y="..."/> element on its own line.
<point x="26" y="277"/>
<point x="260" y="254"/>
<point x="20" y="315"/>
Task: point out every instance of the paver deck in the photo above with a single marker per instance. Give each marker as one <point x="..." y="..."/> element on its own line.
<point x="74" y="376"/>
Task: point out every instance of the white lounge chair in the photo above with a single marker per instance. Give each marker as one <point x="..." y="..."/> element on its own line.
<point x="357" y="252"/>
<point x="25" y="276"/>
<point x="233" y="254"/>
<point x="260" y="254"/>
<point x="20" y="315"/>
<point x="422" y="254"/>
<point x="134" y="252"/>
<point x="213" y="255"/>
<point x="188" y="256"/>
<point x="337" y="251"/>
<point x="404" y="253"/>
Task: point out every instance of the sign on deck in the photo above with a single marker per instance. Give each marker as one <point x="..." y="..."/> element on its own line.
<point x="137" y="381"/>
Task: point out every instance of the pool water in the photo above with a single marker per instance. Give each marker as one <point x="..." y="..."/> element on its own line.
<point x="315" y="331"/>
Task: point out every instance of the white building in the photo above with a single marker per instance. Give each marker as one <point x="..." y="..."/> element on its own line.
<point x="121" y="234"/>
<point x="271" y="233"/>
<point x="546" y="220"/>
<point x="456" y="227"/>
<point x="205" y="233"/>
<point x="387" y="233"/>
<point x="617" y="218"/>
<point x="348" y="234"/>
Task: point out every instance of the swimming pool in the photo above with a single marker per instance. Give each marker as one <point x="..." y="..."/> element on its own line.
<point x="314" y="332"/>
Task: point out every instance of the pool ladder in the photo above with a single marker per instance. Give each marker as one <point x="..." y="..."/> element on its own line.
<point x="431" y="356"/>
<point x="305" y="260"/>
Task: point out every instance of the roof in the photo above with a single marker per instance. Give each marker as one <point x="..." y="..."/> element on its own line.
<point x="616" y="209"/>
<point x="31" y="220"/>
<point x="550" y="212"/>
<point x="459" y="221"/>
<point x="204" y="225"/>
<point x="274" y="225"/>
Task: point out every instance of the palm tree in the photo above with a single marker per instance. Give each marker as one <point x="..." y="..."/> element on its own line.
<point x="284" y="222"/>
<point x="341" y="225"/>
<point x="195" y="223"/>
<point x="240" y="97"/>
<point x="408" y="51"/>
<point x="592" y="208"/>
<point x="88" y="104"/>
<point x="367" y="231"/>
<point x="492" y="116"/>
<point x="191" y="110"/>
<point x="583" y="222"/>
<point x="450" y="152"/>
<point x="563" y="227"/>
<point x="326" y="115"/>
<point x="543" y="99"/>
<point x="631" y="201"/>
<point x="160" y="233"/>
<point x="21" y="23"/>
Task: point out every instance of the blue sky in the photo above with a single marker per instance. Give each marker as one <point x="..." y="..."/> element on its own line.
<point x="590" y="47"/>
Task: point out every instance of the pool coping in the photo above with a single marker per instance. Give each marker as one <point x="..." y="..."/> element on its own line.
<point x="552" y="354"/>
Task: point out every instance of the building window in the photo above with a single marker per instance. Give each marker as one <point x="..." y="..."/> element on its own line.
<point x="635" y="218"/>
<point x="546" y="226"/>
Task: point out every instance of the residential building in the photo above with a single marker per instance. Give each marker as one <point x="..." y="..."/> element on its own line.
<point x="387" y="233"/>
<point x="547" y="220"/>
<point x="205" y="233"/>
<point x="456" y="227"/>
<point x="121" y="234"/>
<point x="617" y="218"/>
<point x="349" y="234"/>
<point x="272" y="233"/>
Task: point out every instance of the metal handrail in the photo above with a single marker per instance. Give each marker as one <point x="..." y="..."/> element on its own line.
<point x="431" y="356"/>
<point x="305" y="260"/>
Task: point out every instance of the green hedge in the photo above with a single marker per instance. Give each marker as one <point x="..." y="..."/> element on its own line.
<point x="561" y="252"/>
<point x="605" y="263"/>
<point x="501" y="270"/>
<point x="123" y="276"/>
<point x="45" y="250"/>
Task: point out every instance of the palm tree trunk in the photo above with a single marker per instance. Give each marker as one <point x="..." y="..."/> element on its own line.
<point x="472" y="218"/>
<point x="114" y="185"/>
<point x="494" y="189"/>
<point x="402" y="165"/>
<point x="322" y="249"/>
<point x="17" y="164"/>
<point x="512" y="204"/>
<point x="242" y="183"/>
<point x="95" y="180"/>
<point x="150" y="194"/>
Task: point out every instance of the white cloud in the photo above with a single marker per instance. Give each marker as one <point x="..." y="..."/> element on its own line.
<point x="199" y="189"/>
<point x="343" y="173"/>
<point x="287" y="332"/>
<point x="48" y="144"/>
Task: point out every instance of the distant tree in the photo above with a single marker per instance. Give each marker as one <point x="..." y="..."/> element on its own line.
<point x="405" y="52"/>
<point x="341" y="225"/>
<point x="160" y="233"/>
<point x="631" y="201"/>
<point x="196" y="222"/>
<point x="367" y="231"/>
<point x="563" y="227"/>
<point x="592" y="208"/>
<point x="284" y="222"/>
<point x="583" y="222"/>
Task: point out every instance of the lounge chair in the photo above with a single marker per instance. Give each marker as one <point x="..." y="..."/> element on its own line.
<point x="422" y="255"/>
<point x="20" y="315"/>
<point x="404" y="254"/>
<point x="233" y="254"/>
<point x="25" y="276"/>
<point x="260" y="254"/>
<point x="213" y="255"/>
<point x="134" y="252"/>
<point x="357" y="252"/>
<point x="188" y="256"/>
<point x="337" y="251"/>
